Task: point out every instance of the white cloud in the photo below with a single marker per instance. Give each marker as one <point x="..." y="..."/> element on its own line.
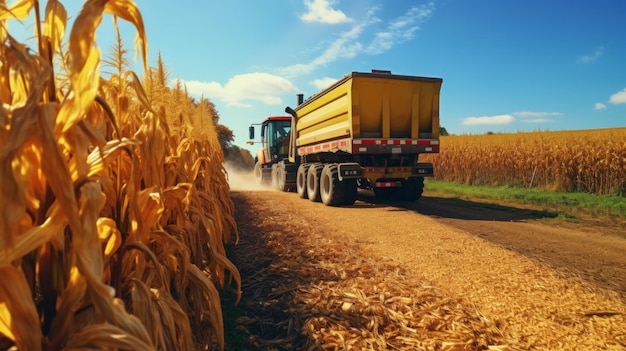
<point x="347" y="45"/>
<point x="532" y="114"/>
<point x="525" y="117"/>
<point x="537" y="120"/>
<point x="619" y="97"/>
<point x="240" y="89"/>
<point x="489" y="120"/>
<point x="599" y="106"/>
<point x="401" y="29"/>
<point x="590" y="58"/>
<point x="323" y="83"/>
<point x="321" y="11"/>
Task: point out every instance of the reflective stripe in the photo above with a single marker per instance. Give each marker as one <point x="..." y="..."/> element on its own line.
<point x="388" y="184"/>
<point x="395" y="142"/>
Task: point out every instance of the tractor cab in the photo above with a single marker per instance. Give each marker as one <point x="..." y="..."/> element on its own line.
<point x="274" y="139"/>
<point x="275" y="132"/>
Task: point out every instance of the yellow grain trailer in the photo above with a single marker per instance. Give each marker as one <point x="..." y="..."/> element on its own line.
<point x="365" y="131"/>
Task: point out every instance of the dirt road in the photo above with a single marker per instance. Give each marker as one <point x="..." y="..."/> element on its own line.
<point x="438" y="274"/>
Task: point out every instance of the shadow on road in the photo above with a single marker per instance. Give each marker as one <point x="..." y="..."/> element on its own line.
<point x="455" y="208"/>
<point x="258" y="321"/>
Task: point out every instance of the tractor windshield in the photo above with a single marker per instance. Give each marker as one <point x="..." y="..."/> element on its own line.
<point x="278" y="138"/>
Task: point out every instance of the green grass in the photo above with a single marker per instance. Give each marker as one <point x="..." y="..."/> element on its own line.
<point x="567" y="203"/>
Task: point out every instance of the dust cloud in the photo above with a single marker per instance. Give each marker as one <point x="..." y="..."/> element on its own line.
<point x="243" y="180"/>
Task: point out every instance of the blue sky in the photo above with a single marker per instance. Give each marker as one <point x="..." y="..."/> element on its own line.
<point x="507" y="66"/>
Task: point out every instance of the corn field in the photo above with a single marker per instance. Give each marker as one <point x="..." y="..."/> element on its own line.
<point x="114" y="210"/>
<point x="590" y="161"/>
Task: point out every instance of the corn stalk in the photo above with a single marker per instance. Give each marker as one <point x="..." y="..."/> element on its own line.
<point x="110" y="236"/>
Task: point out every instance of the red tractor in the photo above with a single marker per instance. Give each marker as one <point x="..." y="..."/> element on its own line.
<point x="275" y="133"/>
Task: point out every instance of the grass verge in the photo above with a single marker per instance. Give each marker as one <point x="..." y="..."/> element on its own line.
<point x="570" y="204"/>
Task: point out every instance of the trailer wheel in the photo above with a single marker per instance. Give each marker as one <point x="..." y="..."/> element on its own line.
<point x="313" y="182"/>
<point x="412" y="189"/>
<point x="332" y="191"/>
<point x="301" y="176"/>
<point x="281" y="177"/>
<point x="351" y="190"/>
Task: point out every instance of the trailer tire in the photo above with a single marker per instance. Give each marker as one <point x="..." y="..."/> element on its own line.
<point x="301" y="176"/>
<point x="313" y="181"/>
<point x="412" y="189"/>
<point x="351" y="191"/>
<point x="280" y="178"/>
<point x="332" y="190"/>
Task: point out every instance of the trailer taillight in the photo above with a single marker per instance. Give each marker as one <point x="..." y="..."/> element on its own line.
<point x="388" y="184"/>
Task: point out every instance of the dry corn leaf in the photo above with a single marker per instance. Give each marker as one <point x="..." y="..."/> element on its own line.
<point x="70" y="306"/>
<point x="212" y="300"/>
<point x="55" y="23"/>
<point x="34" y="237"/>
<point x="129" y="11"/>
<point x="19" y="10"/>
<point x="110" y="236"/>
<point x="106" y="336"/>
<point x="18" y="316"/>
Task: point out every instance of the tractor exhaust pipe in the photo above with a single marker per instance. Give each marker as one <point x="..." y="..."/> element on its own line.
<point x="290" y="111"/>
<point x="299" y="101"/>
<point x="293" y="134"/>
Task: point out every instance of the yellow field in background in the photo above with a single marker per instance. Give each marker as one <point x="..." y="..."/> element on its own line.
<point x="591" y="161"/>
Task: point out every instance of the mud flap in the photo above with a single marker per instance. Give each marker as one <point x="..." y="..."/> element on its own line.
<point x="423" y="169"/>
<point x="349" y="171"/>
